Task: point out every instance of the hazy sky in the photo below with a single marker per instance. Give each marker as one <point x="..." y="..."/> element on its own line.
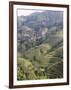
<point x="26" y="12"/>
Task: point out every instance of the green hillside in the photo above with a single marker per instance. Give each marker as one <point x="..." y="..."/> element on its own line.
<point x="41" y="62"/>
<point x="40" y="46"/>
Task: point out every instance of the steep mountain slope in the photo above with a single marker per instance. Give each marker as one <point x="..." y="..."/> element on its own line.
<point x="42" y="19"/>
<point x="40" y="45"/>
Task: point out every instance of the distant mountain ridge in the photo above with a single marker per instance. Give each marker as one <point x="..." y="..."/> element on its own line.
<point x="38" y="26"/>
<point x="45" y="19"/>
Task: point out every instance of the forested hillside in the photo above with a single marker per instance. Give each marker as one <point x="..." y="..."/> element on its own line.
<point x="40" y="45"/>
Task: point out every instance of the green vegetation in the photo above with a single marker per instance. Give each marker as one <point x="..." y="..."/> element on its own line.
<point x="41" y="62"/>
<point x="40" y="46"/>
